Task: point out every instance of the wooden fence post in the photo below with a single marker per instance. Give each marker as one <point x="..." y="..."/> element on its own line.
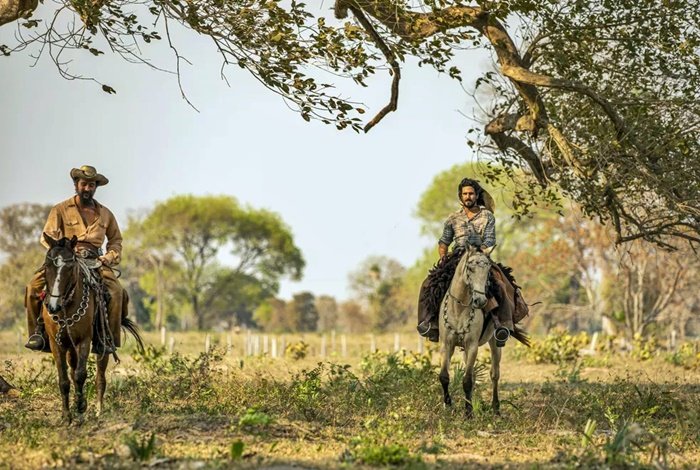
<point x="344" y="346"/>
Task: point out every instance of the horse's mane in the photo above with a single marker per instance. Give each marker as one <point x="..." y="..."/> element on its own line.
<point x="439" y="279"/>
<point x="508" y="272"/>
<point x="440" y="276"/>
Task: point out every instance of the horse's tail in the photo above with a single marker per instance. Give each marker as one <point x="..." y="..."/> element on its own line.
<point x="133" y="328"/>
<point x="522" y="336"/>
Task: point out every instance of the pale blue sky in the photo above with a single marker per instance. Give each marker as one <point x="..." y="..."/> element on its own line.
<point x="345" y="196"/>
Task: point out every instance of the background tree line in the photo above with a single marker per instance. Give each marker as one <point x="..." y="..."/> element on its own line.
<point x="173" y="268"/>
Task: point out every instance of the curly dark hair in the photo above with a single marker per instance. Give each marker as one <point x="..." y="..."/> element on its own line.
<point x="477" y="188"/>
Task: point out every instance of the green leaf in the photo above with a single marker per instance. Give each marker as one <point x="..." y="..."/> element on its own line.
<point x="237" y="450"/>
<point x="109" y="89"/>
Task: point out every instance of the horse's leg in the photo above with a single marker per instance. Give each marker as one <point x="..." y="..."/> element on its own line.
<point x="100" y="381"/>
<point x="59" y="358"/>
<point x="471" y="347"/>
<point x="72" y="360"/>
<point x="448" y="347"/>
<point x="495" y="374"/>
<point x="82" y="354"/>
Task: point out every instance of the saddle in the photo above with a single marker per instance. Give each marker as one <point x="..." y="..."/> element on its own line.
<point x="505" y="300"/>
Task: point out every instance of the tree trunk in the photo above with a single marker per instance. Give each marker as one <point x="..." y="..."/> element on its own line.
<point x="11" y="10"/>
<point x="197" y="314"/>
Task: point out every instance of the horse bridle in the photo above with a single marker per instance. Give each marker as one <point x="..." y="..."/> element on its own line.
<point x="449" y="291"/>
<point x="466" y="267"/>
<point x="59" y="261"/>
<point x="56" y="260"/>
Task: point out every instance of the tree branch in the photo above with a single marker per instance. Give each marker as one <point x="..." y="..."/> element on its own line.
<point x="390" y="57"/>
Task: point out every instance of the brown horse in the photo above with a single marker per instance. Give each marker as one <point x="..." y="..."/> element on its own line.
<point x="69" y="312"/>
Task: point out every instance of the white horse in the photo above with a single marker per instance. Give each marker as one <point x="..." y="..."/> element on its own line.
<point x="461" y="323"/>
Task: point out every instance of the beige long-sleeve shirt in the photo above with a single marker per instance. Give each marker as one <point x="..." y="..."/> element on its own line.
<point x="65" y="221"/>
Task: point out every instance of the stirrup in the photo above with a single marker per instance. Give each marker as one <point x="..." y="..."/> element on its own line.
<point x="424" y="328"/>
<point x="36" y="345"/>
<point x="427" y="330"/>
<point x="501" y="335"/>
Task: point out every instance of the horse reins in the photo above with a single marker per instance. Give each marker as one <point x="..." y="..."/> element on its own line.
<point x="470" y="307"/>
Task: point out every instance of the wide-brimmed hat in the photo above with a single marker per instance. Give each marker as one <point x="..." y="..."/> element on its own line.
<point x="88" y="173"/>
<point x="489" y="202"/>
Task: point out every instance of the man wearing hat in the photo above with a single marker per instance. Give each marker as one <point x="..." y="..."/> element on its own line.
<point x="91" y="222"/>
<point x="472" y="225"/>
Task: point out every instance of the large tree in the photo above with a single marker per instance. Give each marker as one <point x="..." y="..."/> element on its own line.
<point x="22" y="255"/>
<point x="195" y="229"/>
<point x="377" y="284"/>
<point x="598" y="100"/>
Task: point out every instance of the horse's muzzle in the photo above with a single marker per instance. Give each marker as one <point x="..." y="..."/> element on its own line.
<point x="479" y="301"/>
<point x="55" y="309"/>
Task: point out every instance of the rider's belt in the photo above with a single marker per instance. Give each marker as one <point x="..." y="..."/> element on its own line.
<point x="87" y="250"/>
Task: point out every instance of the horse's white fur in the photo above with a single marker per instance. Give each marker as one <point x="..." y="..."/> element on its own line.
<point x="56" y="288"/>
<point x="467" y="321"/>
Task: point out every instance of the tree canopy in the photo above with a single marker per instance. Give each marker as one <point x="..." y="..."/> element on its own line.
<point x="193" y="230"/>
<point x="20" y="230"/>
<point x="595" y="100"/>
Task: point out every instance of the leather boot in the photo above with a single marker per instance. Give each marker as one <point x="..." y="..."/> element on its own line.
<point x="501" y="335"/>
<point x="38" y="341"/>
<point x="428" y="329"/>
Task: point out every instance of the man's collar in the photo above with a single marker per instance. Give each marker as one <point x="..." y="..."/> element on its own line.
<point x="474" y="214"/>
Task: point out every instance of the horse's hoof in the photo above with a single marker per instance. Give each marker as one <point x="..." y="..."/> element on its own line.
<point x="79" y="420"/>
<point x="448" y="403"/>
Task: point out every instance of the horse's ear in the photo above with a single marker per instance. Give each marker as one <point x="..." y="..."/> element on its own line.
<point x="51" y="242"/>
<point x="73" y="241"/>
<point x="487" y="251"/>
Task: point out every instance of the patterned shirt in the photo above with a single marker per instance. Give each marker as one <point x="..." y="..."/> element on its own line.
<point x="65" y="221"/>
<point x="477" y="231"/>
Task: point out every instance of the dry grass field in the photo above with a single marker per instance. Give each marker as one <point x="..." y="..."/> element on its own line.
<point x="224" y="409"/>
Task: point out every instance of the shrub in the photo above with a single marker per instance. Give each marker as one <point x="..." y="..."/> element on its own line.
<point x="644" y="348"/>
<point x="557" y="348"/>
<point x="685" y="357"/>
<point x="254" y="419"/>
<point x="297" y="351"/>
